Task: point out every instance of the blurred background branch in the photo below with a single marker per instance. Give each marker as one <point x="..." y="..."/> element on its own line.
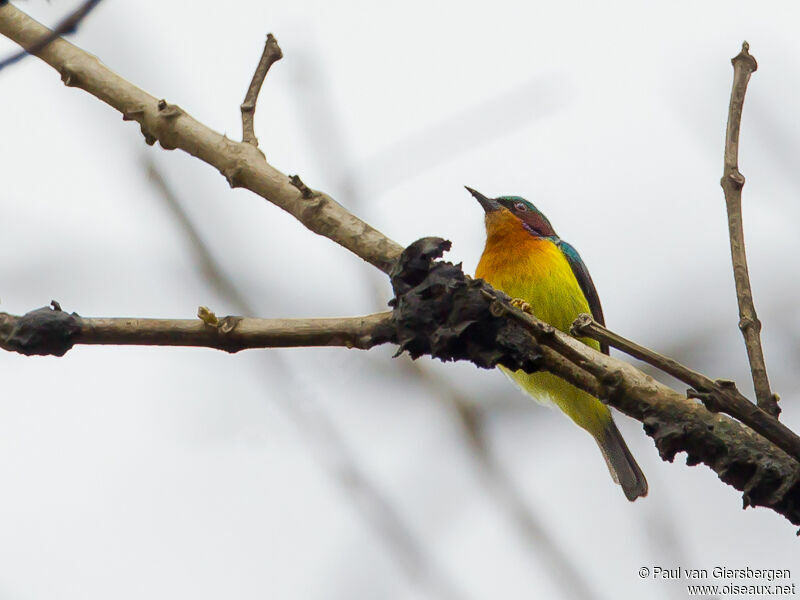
<point x="66" y="26"/>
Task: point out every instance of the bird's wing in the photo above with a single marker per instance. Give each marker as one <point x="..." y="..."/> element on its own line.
<point x="587" y="285"/>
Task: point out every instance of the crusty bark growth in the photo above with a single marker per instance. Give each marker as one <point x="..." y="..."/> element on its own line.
<point x="41" y="332"/>
<point x="439" y="311"/>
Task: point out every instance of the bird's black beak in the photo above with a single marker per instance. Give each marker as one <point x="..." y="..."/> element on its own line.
<point x="488" y="204"/>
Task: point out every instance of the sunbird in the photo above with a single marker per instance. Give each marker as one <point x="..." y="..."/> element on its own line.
<point x="525" y="259"/>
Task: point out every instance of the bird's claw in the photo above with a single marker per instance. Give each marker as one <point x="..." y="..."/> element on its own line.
<point x="521" y="305"/>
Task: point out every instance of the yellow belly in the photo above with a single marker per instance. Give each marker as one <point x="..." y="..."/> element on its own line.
<point x="539" y="273"/>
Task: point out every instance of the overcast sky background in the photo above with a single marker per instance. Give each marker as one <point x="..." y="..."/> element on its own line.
<point x="190" y="473"/>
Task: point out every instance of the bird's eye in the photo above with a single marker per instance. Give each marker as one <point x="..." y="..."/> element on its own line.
<point x="520" y="207"/>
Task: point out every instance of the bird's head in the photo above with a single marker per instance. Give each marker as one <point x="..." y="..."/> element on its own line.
<point x="506" y="211"/>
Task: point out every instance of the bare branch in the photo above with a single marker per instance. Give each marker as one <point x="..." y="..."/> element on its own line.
<point x="718" y="396"/>
<point x="732" y="182"/>
<point x="241" y="164"/>
<point x="271" y="54"/>
<point x="66" y="26"/>
<point x="52" y="331"/>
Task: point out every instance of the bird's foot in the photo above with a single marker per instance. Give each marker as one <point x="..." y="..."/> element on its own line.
<point x="522" y="305"/>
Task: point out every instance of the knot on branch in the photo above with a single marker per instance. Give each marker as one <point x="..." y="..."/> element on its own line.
<point x="305" y="191"/>
<point x="710" y="399"/>
<point x="438" y="310"/>
<point x="167" y="110"/>
<point x="746" y="323"/>
<point x="44" y="331"/>
<point x="612" y="385"/>
<point x="581" y="325"/>
<point x="233" y="174"/>
<point x="733" y="180"/>
<point x="68" y="76"/>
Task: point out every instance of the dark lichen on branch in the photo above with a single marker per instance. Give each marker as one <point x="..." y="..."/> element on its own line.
<point x="440" y="311"/>
<point x="41" y="332"/>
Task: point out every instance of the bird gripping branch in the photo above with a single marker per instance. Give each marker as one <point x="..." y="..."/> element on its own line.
<point x="525" y="259"/>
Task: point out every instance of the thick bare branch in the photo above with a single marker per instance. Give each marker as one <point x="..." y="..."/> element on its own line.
<point x="732" y="182"/>
<point x="271" y="54"/>
<point x="717" y="395"/>
<point x="53" y="331"/>
<point x="242" y="164"/>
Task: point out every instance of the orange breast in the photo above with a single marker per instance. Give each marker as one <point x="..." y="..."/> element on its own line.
<point x="534" y="269"/>
<point x="531" y="268"/>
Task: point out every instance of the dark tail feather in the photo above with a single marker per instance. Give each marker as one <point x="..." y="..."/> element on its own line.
<point x="621" y="463"/>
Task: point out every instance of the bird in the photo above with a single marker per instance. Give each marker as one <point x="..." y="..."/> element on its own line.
<point x="524" y="258"/>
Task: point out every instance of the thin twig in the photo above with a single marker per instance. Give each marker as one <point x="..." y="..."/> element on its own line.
<point x="732" y="182"/>
<point x="46" y="331"/>
<point x="67" y="26"/>
<point x="586" y="326"/>
<point x="718" y="396"/>
<point x="271" y="54"/>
